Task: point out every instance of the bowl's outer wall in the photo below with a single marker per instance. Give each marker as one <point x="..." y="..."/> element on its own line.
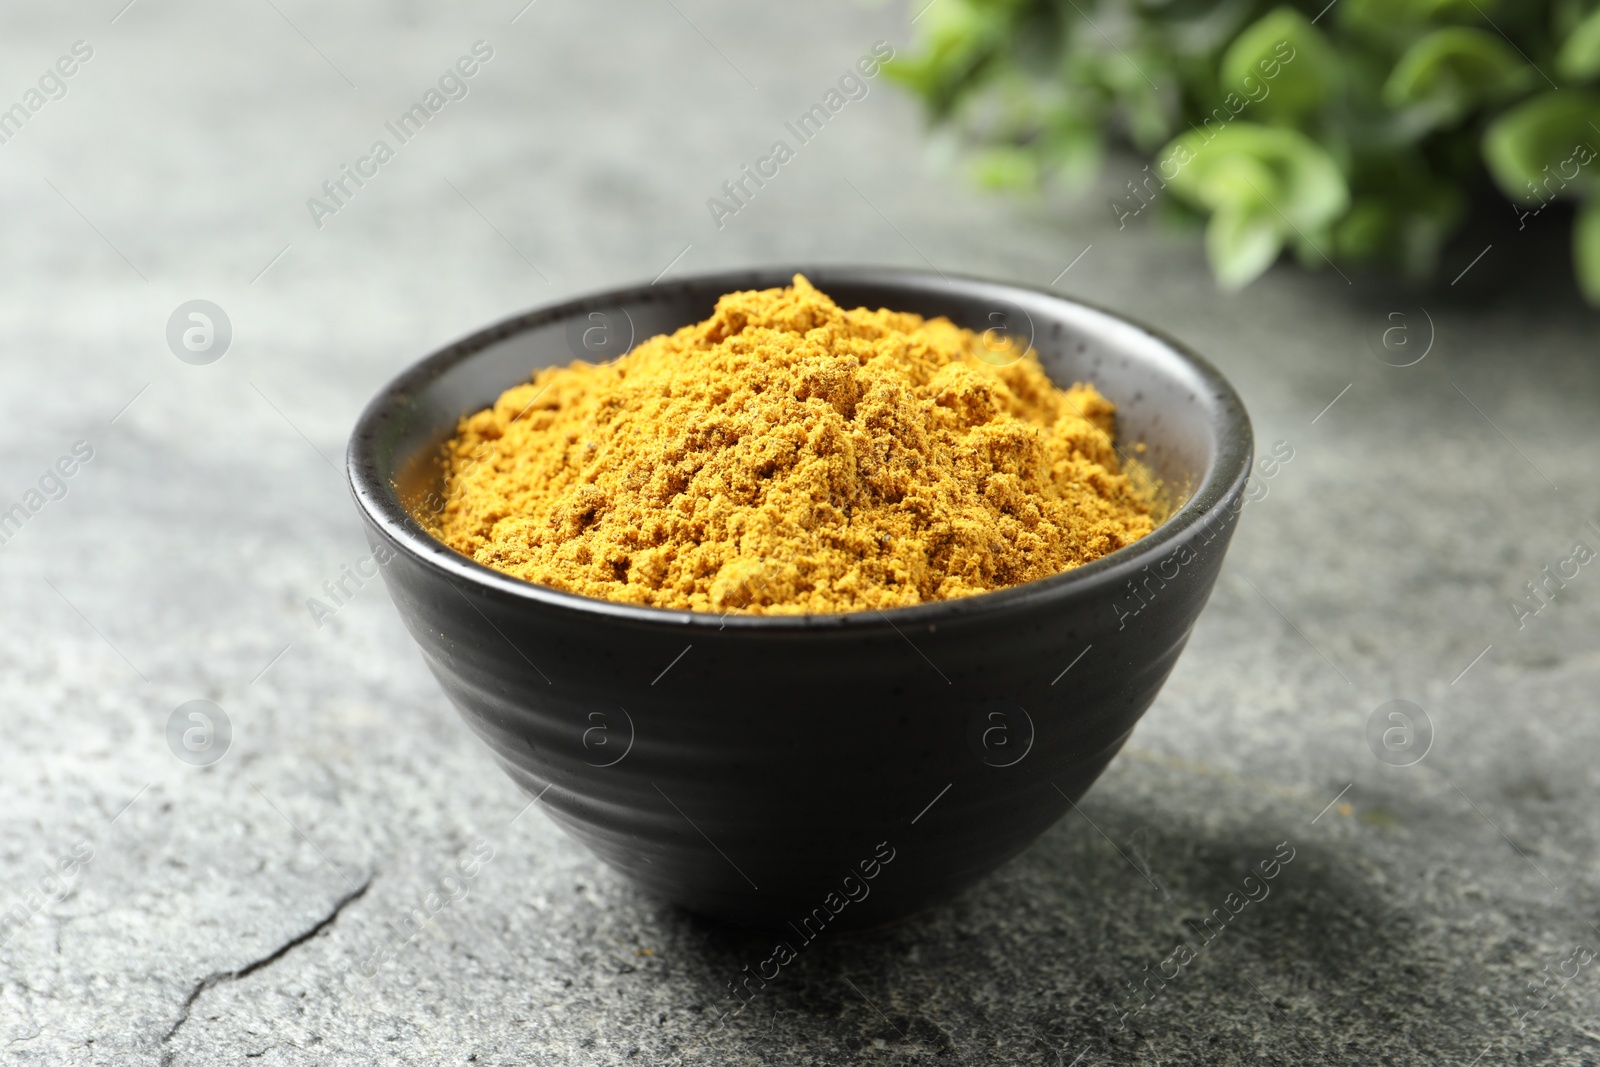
<point x="747" y="767"/>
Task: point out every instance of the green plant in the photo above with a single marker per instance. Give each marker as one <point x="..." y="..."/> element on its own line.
<point x="1354" y="132"/>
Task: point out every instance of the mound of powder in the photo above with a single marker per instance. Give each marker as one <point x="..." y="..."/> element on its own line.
<point x="789" y="456"/>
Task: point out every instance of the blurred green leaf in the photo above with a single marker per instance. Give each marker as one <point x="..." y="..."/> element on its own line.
<point x="1543" y="148"/>
<point x="1282" y="167"/>
<point x="1450" y="71"/>
<point x="1406" y="227"/>
<point x="959" y="36"/>
<point x="1579" y="58"/>
<point x="1399" y="21"/>
<point x="1586" y="249"/>
<point x="1242" y="242"/>
<point x="1073" y="149"/>
<point x="1006" y="167"/>
<point x="1366" y="232"/>
<point x="1265" y="185"/>
<point x="1357" y="131"/>
<point x="1283" y="65"/>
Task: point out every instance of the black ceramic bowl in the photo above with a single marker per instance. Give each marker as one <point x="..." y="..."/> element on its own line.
<point x="826" y="770"/>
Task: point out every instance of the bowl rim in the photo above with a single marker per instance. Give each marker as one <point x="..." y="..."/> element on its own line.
<point x="380" y="503"/>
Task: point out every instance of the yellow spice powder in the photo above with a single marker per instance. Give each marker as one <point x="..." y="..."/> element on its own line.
<point x="789" y="456"/>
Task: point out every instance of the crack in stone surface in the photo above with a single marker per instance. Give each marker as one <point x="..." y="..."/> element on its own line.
<point x="218" y="977"/>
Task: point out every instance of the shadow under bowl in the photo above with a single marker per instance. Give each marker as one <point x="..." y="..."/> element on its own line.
<point x="841" y="770"/>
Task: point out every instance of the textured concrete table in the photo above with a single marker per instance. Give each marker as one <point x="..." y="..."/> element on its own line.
<point x="255" y="908"/>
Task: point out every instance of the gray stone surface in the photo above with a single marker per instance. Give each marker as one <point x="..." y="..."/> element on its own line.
<point x="220" y="913"/>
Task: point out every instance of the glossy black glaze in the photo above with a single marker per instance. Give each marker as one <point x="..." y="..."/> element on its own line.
<point x="748" y="766"/>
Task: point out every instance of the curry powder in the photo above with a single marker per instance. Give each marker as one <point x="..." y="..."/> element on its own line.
<point x="787" y="456"/>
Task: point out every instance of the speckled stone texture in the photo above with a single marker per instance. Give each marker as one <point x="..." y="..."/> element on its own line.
<point x="258" y="909"/>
